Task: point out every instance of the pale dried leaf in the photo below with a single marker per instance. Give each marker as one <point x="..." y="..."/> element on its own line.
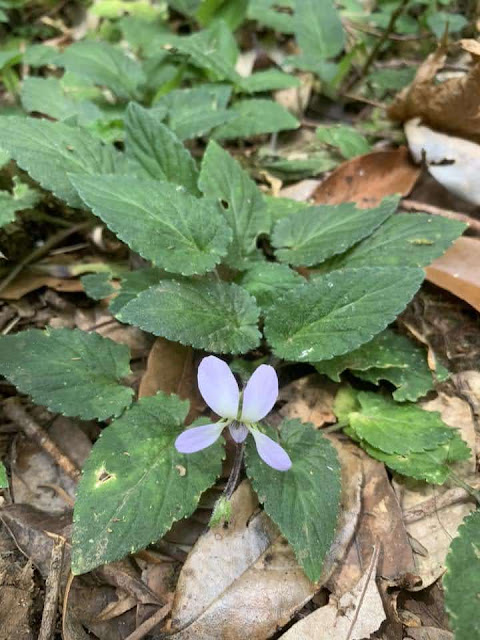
<point x="229" y="586"/>
<point x="310" y="399"/>
<point x="357" y="614"/>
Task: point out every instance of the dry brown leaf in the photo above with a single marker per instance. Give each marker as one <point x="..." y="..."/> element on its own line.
<point x="310" y="399"/>
<point x="431" y="535"/>
<point x="171" y="369"/>
<point x="239" y="582"/>
<point x="452" y="106"/>
<point x="367" y="179"/>
<point x="36" y="480"/>
<point x="380" y="523"/>
<point x="429" y="633"/>
<point x="28" y="281"/>
<point x="355" y="616"/>
<point x="458" y="270"/>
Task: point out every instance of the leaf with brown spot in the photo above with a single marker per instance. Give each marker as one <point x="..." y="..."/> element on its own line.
<point x="171" y="369"/>
<point x="367" y="179"/>
<point x="458" y="270"/>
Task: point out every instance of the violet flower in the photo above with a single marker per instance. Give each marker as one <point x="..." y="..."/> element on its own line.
<point x="238" y="411"/>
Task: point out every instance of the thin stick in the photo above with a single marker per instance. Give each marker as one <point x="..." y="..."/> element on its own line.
<point x="141" y="631"/>
<point x="435" y="504"/>
<point x="38" y="253"/>
<point x="52" y="590"/>
<point x="379" y="44"/>
<point x="16" y="413"/>
<point x="414" y="205"/>
<point x="235" y="472"/>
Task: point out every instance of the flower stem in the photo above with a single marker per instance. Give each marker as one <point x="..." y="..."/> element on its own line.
<point x="235" y="472"/>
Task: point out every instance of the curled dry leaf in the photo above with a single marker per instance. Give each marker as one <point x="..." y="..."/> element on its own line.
<point x="458" y="270"/>
<point x="369" y="178"/>
<point x="451" y="106"/>
<point x="453" y="162"/>
<point x="171" y="369"/>
<point x="239" y="582"/>
<point x="29" y="281"/>
<point x="356" y="615"/>
<point x="431" y="535"/>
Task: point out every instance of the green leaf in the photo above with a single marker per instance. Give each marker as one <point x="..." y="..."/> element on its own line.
<point x="279" y="208"/>
<point x="269" y="80"/>
<point x="135" y="484"/>
<point x="318" y="30"/>
<point x="223" y="179"/>
<point x="267" y="281"/>
<point x="194" y="112"/>
<point x="303" y="501"/>
<point x="397" y="428"/>
<point x="3" y="477"/>
<point x="433" y="465"/>
<point x="348" y="140"/>
<point x="133" y="283"/>
<point x="213" y="49"/>
<point x="339" y="311"/>
<point x="157" y="150"/>
<point x="48" y="151"/>
<point x="254" y="117"/>
<point x="214" y="316"/>
<point x="39" y="55"/>
<point x="267" y="12"/>
<point x="23" y="197"/>
<point x="319" y="232"/>
<point x="104" y="64"/>
<point x="232" y="12"/>
<point x="391" y="357"/>
<point x="462" y="580"/>
<point x="98" y="285"/>
<point x="69" y="371"/>
<point x="439" y="21"/>
<point x="407" y="239"/>
<point x="161" y="221"/>
<point x="412" y="382"/>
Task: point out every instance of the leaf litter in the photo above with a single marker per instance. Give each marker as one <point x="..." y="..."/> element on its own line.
<point x="393" y="534"/>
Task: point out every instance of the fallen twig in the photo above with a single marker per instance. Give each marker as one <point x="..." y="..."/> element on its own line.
<point x="14" y="411"/>
<point x="432" y="505"/>
<point x="52" y="590"/>
<point x="414" y="205"/>
<point x="141" y="631"/>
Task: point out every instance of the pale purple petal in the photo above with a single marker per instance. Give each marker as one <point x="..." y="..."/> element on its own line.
<point x="271" y="452"/>
<point x="198" y="438"/>
<point x="260" y="393"/>
<point x="238" y="431"/>
<point x="218" y="387"/>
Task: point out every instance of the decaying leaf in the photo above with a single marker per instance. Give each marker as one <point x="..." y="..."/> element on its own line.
<point x="239" y="582"/>
<point x="431" y="535"/>
<point x="379" y="523"/>
<point x="367" y="179"/>
<point x="458" y="270"/>
<point x="28" y="281"/>
<point x="355" y="616"/>
<point x="310" y="399"/>
<point x="451" y="106"/>
<point x="453" y="162"/>
<point x="17" y="593"/>
<point x="171" y="369"/>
